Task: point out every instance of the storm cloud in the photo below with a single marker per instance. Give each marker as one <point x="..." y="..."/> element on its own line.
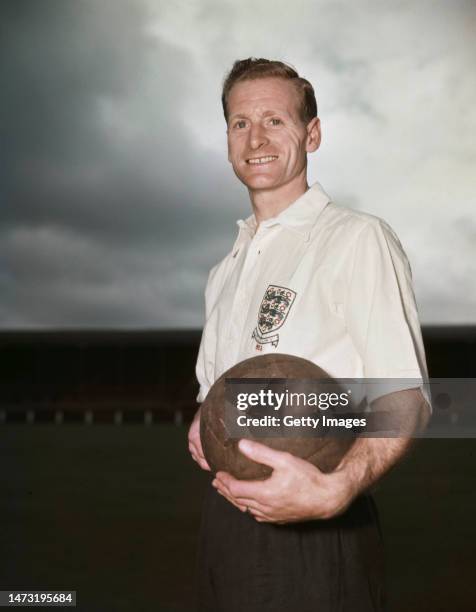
<point x="116" y="194"/>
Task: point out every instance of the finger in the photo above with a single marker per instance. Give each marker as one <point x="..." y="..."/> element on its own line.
<point x="254" y="489"/>
<point x="243" y="505"/>
<point x="221" y="487"/>
<point x="258" y="514"/>
<point x="271" y="520"/>
<point x="244" y="502"/>
<point x="199" y="458"/>
<point x="255" y="507"/>
<point x="192" y="448"/>
<point x="195" y="451"/>
<point x="263" y="454"/>
<point x="233" y="501"/>
<point x="265" y="519"/>
<point x="202" y="462"/>
<point x="255" y="512"/>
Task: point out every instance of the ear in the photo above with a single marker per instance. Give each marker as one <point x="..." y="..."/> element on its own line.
<point x="313" y="135"/>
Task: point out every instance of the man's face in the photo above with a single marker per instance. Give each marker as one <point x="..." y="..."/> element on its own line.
<point x="267" y="139"/>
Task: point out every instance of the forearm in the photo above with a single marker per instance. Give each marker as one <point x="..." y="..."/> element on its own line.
<point x="370" y="458"/>
<point x="299" y="491"/>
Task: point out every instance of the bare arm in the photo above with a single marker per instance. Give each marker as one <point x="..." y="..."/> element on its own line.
<point x="298" y="491"/>
<point x="370" y="458"/>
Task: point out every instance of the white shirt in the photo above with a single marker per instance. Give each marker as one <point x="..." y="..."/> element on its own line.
<point x="319" y="281"/>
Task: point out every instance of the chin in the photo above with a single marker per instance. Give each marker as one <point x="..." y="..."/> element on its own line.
<point x="262" y="181"/>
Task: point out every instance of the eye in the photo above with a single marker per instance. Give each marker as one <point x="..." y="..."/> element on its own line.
<point x="275" y="121"/>
<point x="240" y="124"/>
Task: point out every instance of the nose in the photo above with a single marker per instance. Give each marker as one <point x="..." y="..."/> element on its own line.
<point x="258" y="136"/>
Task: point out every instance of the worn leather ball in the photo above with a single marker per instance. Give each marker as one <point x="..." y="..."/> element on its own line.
<point x="221" y="450"/>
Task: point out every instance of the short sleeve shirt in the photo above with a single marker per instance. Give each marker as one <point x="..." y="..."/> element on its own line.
<point x="319" y="281"/>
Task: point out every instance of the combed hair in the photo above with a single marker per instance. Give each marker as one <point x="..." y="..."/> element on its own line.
<point x="259" y="68"/>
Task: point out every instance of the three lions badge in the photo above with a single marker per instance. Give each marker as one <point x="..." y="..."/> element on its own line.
<point x="274" y="309"/>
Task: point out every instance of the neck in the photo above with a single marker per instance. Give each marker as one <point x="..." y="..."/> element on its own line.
<point x="268" y="203"/>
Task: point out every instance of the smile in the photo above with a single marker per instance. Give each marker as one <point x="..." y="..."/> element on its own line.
<point x="261" y="160"/>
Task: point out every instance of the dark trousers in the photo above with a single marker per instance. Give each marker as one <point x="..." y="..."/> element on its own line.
<point x="334" y="565"/>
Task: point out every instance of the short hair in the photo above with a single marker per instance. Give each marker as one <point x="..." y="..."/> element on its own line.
<point x="259" y="68"/>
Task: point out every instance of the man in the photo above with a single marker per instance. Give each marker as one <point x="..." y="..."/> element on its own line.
<point x="301" y="540"/>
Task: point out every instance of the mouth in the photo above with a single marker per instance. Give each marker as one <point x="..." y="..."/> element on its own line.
<point x="260" y="161"/>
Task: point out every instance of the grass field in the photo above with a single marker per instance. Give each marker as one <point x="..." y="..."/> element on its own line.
<point x="113" y="512"/>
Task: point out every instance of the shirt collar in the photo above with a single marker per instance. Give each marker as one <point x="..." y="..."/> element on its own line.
<point x="299" y="216"/>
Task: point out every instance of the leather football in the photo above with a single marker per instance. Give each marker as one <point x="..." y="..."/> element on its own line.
<point x="221" y="449"/>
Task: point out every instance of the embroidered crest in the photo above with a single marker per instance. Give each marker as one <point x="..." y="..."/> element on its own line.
<point x="274" y="309"/>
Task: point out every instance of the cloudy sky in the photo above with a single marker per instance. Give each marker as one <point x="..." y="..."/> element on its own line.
<point x="115" y="192"/>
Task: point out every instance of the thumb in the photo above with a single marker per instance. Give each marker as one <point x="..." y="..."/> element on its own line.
<point x="261" y="453"/>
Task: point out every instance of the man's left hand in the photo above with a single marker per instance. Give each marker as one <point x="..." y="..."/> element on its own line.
<point x="295" y="491"/>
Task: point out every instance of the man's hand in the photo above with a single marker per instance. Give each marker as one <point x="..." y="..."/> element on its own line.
<point x="195" y="444"/>
<point x="298" y="491"/>
<point x="295" y="491"/>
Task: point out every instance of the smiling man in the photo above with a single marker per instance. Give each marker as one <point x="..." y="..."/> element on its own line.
<point x="301" y="540"/>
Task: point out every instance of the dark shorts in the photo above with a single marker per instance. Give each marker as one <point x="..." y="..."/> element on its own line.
<point x="317" y="566"/>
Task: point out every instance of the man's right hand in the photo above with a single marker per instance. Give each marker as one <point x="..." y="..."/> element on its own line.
<point x="195" y="444"/>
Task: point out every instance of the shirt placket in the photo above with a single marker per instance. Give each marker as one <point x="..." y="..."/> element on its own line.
<point x="243" y="292"/>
